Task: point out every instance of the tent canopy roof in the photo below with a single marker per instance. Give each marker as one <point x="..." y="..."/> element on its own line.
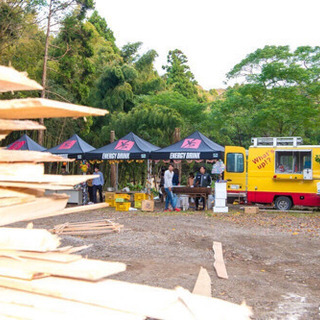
<point x="195" y="146"/>
<point x="73" y="147"/>
<point x="25" y="143"/>
<point x="128" y="147"/>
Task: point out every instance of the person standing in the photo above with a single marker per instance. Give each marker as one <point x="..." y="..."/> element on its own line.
<point x="191" y="180"/>
<point x="168" y="175"/>
<point x="175" y="178"/>
<point x="97" y="184"/>
<point x="203" y="180"/>
<point x="64" y="171"/>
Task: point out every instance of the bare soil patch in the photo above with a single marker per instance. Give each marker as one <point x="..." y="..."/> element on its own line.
<point x="272" y="259"/>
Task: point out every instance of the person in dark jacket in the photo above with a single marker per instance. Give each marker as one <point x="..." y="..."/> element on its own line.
<point x="175" y="179"/>
<point x="203" y="180"/>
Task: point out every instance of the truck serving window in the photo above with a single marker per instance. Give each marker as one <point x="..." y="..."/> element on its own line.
<point x="235" y="162"/>
<point x="292" y="161"/>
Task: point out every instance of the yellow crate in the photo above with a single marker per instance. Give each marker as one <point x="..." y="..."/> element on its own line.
<point x="138" y="204"/>
<point x="112" y="203"/>
<point x="140" y="196"/>
<point x="109" y="195"/>
<point x="122" y="196"/>
<point x="122" y="206"/>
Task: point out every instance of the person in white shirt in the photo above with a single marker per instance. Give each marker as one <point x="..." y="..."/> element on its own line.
<point x="168" y="175"/>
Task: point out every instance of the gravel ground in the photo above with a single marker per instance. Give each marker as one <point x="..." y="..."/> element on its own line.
<point x="272" y="259"/>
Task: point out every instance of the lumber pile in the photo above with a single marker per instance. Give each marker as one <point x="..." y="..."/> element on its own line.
<point x="87" y="227"/>
<point x="41" y="280"/>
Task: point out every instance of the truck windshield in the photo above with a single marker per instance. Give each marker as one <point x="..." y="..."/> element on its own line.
<point x="292" y="161"/>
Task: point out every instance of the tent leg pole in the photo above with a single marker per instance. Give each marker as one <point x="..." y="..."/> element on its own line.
<point x="117" y="176"/>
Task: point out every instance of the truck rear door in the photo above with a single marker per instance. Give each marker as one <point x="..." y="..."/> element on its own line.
<point x="235" y="170"/>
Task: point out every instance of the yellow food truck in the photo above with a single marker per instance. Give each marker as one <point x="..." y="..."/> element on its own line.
<point x="274" y="170"/>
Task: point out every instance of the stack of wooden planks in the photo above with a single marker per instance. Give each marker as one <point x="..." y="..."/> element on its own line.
<point x="87" y="227"/>
<point x="41" y="280"/>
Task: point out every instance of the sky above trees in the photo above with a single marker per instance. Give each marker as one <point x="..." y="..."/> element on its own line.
<point x="214" y="35"/>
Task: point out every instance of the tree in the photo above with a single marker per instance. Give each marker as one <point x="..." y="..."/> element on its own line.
<point x="192" y="112"/>
<point x="16" y="18"/>
<point x="148" y="80"/>
<point x="153" y="123"/>
<point x="129" y="52"/>
<point x="280" y="95"/>
<point x="55" y="11"/>
<point x="178" y="74"/>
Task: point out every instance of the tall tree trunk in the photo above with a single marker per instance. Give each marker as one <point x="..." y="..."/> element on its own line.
<point x="44" y="71"/>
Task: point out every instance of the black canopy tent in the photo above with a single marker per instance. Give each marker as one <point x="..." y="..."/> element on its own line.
<point x="25" y="143"/>
<point x="194" y="147"/>
<point x="74" y="148"/>
<point x="128" y="147"/>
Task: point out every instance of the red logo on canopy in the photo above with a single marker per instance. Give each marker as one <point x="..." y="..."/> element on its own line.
<point x="67" y="144"/>
<point x="191" y="144"/>
<point x="17" y="145"/>
<point x="124" y="145"/>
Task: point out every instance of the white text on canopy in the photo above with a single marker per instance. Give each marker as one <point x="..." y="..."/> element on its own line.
<point x="185" y="155"/>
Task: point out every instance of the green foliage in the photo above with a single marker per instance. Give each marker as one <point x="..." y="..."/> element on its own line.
<point x="280" y="98"/>
<point x="178" y="74"/>
<point x="191" y="111"/>
<point x="129" y="52"/>
<point x="102" y="28"/>
<point x="153" y="123"/>
<point x="114" y="88"/>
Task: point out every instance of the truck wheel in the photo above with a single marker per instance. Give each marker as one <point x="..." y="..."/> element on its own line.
<point x="283" y="203"/>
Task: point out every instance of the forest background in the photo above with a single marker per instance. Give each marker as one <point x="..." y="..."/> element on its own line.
<point x="69" y="48"/>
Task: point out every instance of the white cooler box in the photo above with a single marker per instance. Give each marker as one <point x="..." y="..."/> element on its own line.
<point x="220" y="202"/>
<point x="220" y="190"/>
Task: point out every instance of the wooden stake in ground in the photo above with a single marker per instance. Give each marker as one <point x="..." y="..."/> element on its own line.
<point x="203" y="283"/>
<point x="219" y="263"/>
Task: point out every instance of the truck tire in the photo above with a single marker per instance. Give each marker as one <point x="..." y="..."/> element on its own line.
<point x="283" y="203"/>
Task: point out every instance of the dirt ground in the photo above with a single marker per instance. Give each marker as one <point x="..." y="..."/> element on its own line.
<point x="272" y="259"/>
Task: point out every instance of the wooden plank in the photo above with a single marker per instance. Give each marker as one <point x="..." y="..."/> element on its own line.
<point x="86" y="269"/>
<point x="13" y="80"/>
<point x="132" y="298"/>
<point x="47" y="206"/>
<point x="7" y="271"/>
<point x="48" y="178"/>
<point x="17" y="125"/>
<point x="46" y="256"/>
<point x="20" y="192"/>
<point x="34" y="108"/>
<point x="32" y="186"/>
<point x="66" y="309"/>
<point x="74" y="249"/>
<point x="19" y="170"/>
<point x="219" y="263"/>
<point x="89" y="207"/>
<point x="11" y="201"/>
<point x="28" y="239"/>
<point x="203" y="283"/>
<point x="30" y="156"/>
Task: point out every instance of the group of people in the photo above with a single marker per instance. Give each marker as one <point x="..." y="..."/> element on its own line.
<point x="91" y="187"/>
<point x="202" y="179"/>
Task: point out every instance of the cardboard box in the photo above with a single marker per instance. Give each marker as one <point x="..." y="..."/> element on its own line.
<point x="147" y="205"/>
<point x="251" y="209"/>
